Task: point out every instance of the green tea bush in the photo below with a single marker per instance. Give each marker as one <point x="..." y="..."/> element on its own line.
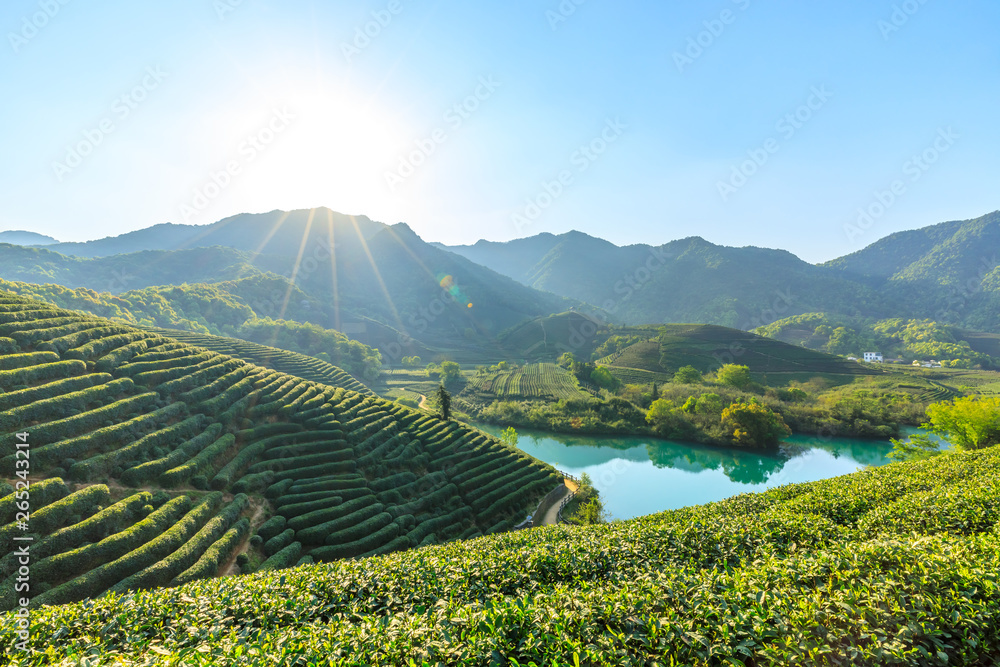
<point x="254" y="483"/>
<point x="93" y="529"/>
<point x="272" y="527"/>
<point x="145" y="472"/>
<point x="41" y="494"/>
<point x="314" y="527"/>
<point x="331" y="483"/>
<point x="374" y="533"/>
<point x="164" y="570"/>
<point x="287" y="557"/>
<point x="31" y="375"/>
<point x="51" y="517"/>
<point x="15" y="361"/>
<point x="98" y="467"/>
<point x="95" y="349"/>
<point x="121" y="355"/>
<point x="215" y="555"/>
<point x="279" y="542"/>
<point x="90" y="557"/>
<point x="202" y="462"/>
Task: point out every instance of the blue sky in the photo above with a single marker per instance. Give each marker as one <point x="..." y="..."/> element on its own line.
<point x="745" y="122"/>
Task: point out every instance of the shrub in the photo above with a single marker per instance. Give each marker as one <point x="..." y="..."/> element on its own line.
<point x="331" y="483"/>
<point x="90" y="556"/>
<point x="40" y="494"/>
<point x="43" y="373"/>
<point x="313" y="528"/>
<point x="16" y="361"/>
<point x="108" y="575"/>
<point x="161" y="572"/>
<point x="215" y="555"/>
<point x="279" y="542"/>
<point x="202" y="462"/>
<point x="256" y="541"/>
<point x="366" y="542"/>
<point x="254" y="483"/>
<point x="25" y="397"/>
<point x="272" y="527"/>
<point x="284" y="558"/>
<point x="115" y="358"/>
<point x="145" y="472"/>
<point x="100" y="466"/>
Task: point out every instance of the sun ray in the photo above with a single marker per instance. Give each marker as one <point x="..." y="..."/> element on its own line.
<point x="298" y="263"/>
<point x="378" y="275"/>
<point x="333" y="270"/>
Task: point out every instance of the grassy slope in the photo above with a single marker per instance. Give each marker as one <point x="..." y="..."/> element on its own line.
<point x="155" y="419"/>
<point x="889" y="566"/>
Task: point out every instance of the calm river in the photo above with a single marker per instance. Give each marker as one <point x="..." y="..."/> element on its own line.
<point x="638" y="475"/>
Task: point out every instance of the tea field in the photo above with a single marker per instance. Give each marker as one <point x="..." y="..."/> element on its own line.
<point x="149" y="462"/>
<point x="898" y="565"/>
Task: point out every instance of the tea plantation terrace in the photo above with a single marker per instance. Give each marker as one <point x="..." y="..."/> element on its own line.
<point x="898" y="565"/>
<point x="154" y="462"/>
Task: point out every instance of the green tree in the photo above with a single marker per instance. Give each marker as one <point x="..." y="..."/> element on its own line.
<point x="687" y="375"/>
<point x="735" y="376"/>
<point x="917" y="447"/>
<point x="603" y="378"/>
<point x="566" y="360"/>
<point x="708" y="404"/>
<point x="509" y="437"/>
<point x="450" y="371"/>
<point x="969" y="422"/>
<point x="754" y="425"/>
<point x="444" y="401"/>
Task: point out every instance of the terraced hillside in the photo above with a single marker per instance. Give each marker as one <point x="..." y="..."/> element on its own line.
<point x="547" y="382"/>
<point x="152" y="462"/>
<point x="292" y="363"/>
<point x="896" y="565"/>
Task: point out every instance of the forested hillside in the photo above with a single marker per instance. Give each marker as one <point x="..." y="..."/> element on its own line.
<point x="153" y="462"/>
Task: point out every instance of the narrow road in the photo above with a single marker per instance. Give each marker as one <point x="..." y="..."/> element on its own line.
<point x="551" y="517"/>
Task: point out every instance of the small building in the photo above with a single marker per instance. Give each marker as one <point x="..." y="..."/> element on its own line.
<point x="873" y="357"/>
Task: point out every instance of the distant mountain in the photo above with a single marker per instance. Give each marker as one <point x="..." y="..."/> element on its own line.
<point x="381" y="284"/>
<point x="690" y="280"/>
<point x="274" y="233"/>
<point x="949" y="272"/>
<point x="20" y="237"/>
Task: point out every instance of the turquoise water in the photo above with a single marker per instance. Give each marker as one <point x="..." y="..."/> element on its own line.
<point x="639" y="475"/>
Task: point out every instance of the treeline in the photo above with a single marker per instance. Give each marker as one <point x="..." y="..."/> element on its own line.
<point x="906" y="339"/>
<point x="726" y="408"/>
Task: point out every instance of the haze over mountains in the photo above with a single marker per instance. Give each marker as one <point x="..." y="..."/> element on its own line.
<point x="386" y="286"/>
<point x="947" y="272"/>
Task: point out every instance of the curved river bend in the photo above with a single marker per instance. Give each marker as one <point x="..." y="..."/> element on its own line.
<point x="639" y="475"/>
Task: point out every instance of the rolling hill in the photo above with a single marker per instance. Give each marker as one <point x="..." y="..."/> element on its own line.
<point x="654" y="353"/>
<point x="153" y="462"/>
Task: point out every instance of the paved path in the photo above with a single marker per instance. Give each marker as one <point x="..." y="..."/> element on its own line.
<point x="551" y="517"/>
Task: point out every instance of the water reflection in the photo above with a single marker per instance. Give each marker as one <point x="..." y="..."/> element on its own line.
<point x="643" y="475"/>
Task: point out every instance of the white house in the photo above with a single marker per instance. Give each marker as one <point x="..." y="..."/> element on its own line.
<point x="873" y="357"/>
